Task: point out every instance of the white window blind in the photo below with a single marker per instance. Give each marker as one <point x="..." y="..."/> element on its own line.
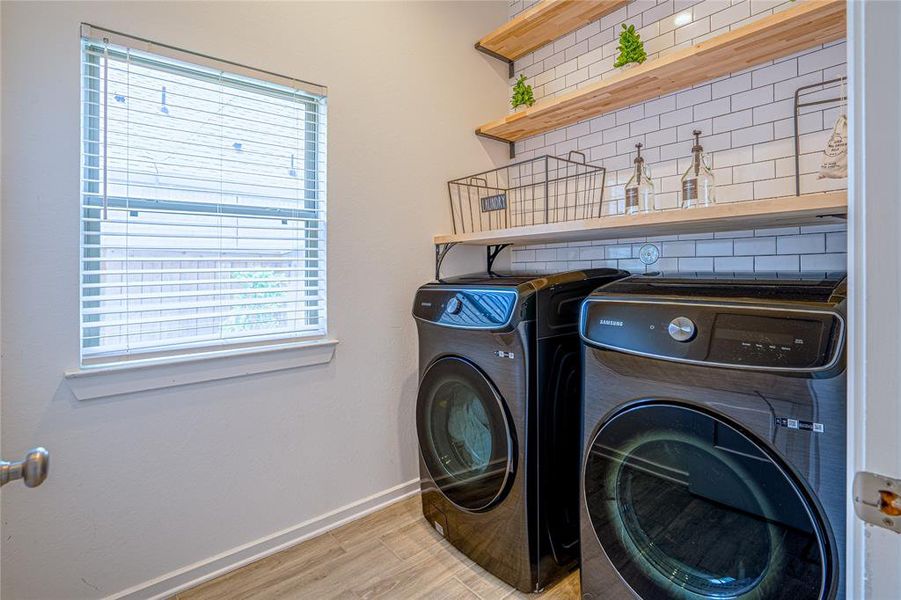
<point x="203" y="206"/>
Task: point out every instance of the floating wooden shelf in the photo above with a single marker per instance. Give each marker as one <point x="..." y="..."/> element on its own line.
<point x="541" y="25"/>
<point x="809" y="23"/>
<point x="820" y="208"/>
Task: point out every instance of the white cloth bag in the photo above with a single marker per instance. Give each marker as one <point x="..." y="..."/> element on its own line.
<point x="834" y="164"/>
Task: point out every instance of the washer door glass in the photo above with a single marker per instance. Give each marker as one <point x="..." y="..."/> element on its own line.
<point x="686" y="506"/>
<point x="464" y="434"/>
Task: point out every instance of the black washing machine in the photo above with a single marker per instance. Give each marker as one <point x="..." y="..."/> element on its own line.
<point x="714" y="438"/>
<point x="498" y="418"/>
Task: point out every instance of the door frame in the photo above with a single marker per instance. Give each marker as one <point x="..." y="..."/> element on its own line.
<point x="874" y="277"/>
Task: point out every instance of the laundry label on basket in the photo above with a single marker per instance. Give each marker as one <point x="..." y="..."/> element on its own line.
<point x="496" y="202"/>
<point x="801" y="425"/>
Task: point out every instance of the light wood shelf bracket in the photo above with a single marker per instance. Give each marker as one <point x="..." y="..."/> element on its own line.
<point x="798" y="28"/>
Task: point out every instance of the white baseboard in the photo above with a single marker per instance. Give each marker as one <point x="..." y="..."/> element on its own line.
<point x="204" y="570"/>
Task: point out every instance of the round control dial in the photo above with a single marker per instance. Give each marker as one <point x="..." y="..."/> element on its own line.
<point x="682" y="329"/>
<point x="454" y="306"/>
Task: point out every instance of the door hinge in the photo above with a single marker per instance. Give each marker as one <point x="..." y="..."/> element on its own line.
<point x="877" y="500"/>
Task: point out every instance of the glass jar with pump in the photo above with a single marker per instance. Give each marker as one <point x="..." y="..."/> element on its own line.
<point x="697" y="182"/>
<point x="640" y="188"/>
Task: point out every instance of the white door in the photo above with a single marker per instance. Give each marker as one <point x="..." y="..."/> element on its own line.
<point x="874" y="247"/>
<point x="31" y="468"/>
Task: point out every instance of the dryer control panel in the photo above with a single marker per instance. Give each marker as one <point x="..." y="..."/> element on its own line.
<point x="465" y="308"/>
<point x="716" y="334"/>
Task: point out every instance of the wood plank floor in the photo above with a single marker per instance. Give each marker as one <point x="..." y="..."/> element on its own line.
<point x="390" y="554"/>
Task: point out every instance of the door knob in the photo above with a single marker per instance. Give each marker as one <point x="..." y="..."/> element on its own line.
<point x="33" y="470"/>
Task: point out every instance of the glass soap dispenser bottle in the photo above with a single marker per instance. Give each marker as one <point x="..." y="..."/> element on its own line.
<point x="640" y="188"/>
<point x="697" y="182"/>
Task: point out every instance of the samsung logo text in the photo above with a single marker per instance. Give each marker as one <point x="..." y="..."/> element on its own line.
<point x="610" y="323"/>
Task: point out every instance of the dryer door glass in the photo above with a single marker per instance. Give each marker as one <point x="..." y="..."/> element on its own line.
<point x="685" y="506"/>
<point x="464" y="434"/>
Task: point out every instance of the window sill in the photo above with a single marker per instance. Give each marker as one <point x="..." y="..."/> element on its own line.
<point x="101" y="382"/>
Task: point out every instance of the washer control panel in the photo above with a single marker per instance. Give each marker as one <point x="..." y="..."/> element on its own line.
<point x="725" y="335"/>
<point x="465" y="308"/>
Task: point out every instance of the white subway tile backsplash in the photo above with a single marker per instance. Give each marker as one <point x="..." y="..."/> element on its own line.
<point x="825" y="262"/>
<point x="661" y="137"/>
<point x="639" y="6"/>
<point x="615" y="18"/>
<point x="753" y="246"/>
<point x="732" y="120"/>
<point x="774" y="111"/>
<point x="777" y="263"/>
<point x="633" y="265"/>
<point x="619" y="251"/>
<point x="734" y="156"/>
<point x="643" y="126"/>
<point x="568" y="254"/>
<point x="775" y="149"/>
<point x="747" y="124"/>
<point x="576" y="50"/>
<point x="753" y="171"/>
<point x="733" y="264"/>
<point x="836" y="241"/>
<point x="822" y="228"/>
<point x="770" y="231"/>
<point x="764" y="6"/>
<point x="659" y="12"/>
<point x="660" y="105"/>
<point x="734" y="234"/>
<point x="696" y="264"/>
<point x="583" y="33"/>
<point x="773" y="188"/>
<point x="678" y="249"/>
<point x="592" y="253"/>
<point x="777" y="72"/>
<point x="714" y="247"/>
<point x="786" y="89"/>
<point x="737" y="192"/>
<point x="737" y="12"/>
<point x="752" y="98"/>
<point x="627" y="115"/>
<point x="676" y="117"/>
<point x="731" y="85"/>
<point x="696" y="236"/>
<point x="752" y="135"/>
<point x="822" y="59"/>
<point x="714" y="108"/>
<point x="523" y="256"/>
<point x="616" y="134"/>
<point x="564" y="42"/>
<point x="693" y="96"/>
<point x="810" y="243"/>
<point x="693" y="30"/>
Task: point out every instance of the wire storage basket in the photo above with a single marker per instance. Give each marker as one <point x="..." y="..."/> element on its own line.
<point x="541" y="190"/>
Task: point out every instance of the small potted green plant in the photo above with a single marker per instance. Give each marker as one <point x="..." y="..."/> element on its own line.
<point x="522" y="93"/>
<point x="631" y="48"/>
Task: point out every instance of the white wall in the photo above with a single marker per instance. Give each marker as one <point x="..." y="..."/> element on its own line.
<point x="746" y="119"/>
<point x="144" y="484"/>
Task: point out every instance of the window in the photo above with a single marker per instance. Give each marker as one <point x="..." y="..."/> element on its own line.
<point x="203" y="203"/>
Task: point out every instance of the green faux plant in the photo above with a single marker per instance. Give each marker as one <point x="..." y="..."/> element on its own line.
<point x="522" y="93"/>
<point x="631" y="48"/>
